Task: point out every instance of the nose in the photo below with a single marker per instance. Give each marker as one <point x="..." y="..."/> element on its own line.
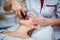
<point x="24" y="15"/>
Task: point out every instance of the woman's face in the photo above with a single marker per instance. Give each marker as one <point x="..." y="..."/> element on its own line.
<point x="28" y="23"/>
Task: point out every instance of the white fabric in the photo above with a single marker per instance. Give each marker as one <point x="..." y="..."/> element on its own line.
<point x="46" y="10"/>
<point x="33" y="6"/>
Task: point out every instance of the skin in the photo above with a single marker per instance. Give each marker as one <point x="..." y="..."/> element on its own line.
<point x="51" y="21"/>
<point x="16" y="7"/>
<point x="21" y="32"/>
<point x="25" y="27"/>
<point x="42" y="20"/>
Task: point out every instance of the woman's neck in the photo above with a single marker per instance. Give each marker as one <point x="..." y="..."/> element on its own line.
<point x="23" y="30"/>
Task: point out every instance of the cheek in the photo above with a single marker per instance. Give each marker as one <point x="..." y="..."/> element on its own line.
<point x="20" y="17"/>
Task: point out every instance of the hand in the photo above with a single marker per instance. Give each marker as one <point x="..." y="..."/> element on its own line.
<point x="16" y="7"/>
<point x="41" y="20"/>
